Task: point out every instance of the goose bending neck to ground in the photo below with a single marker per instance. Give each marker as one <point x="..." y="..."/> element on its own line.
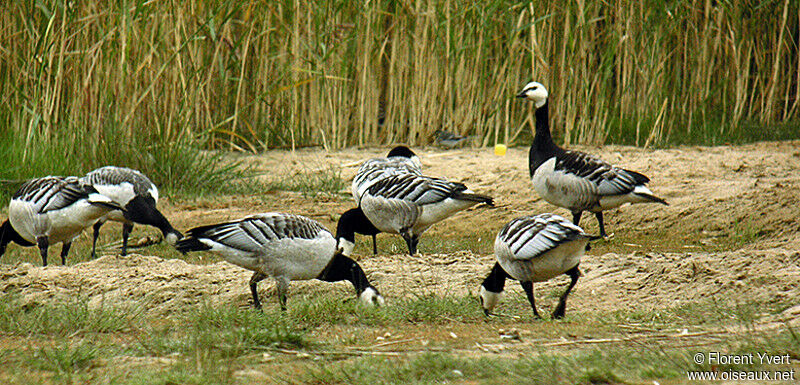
<point x="575" y="180"/>
<point x="354" y="222"/>
<point x="50" y="210"/>
<point x="408" y="204"/>
<point x="283" y="246"/>
<point x="400" y="160"/>
<point x="133" y="191"/>
<point x="535" y="249"/>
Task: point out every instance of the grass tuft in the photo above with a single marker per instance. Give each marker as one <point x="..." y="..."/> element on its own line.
<point x="310" y="182"/>
<point x="64" y="359"/>
<point x="73" y="317"/>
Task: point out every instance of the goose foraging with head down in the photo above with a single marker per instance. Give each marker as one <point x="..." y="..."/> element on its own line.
<point x="133" y="191"/>
<point x="50" y="210"/>
<point x="575" y="180"/>
<point x="407" y="204"/>
<point x="400" y="160"/>
<point x="535" y="249"/>
<point x="283" y="246"/>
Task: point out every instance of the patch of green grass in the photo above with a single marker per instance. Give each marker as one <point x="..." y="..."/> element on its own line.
<point x="481" y="242"/>
<point x="175" y="165"/>
<point x="745" y="232"/>
<point x="310" y="182"/>
<point x="430" y="308"/>
<point x="185" y="372"/>
<point x="593" y="367"/>
<point x="611" y="364"/>
<point x="64" y="358"/>
<point x="222" y="331"/>
<point x="74" y="317"/>
<point x="706" y="313"/>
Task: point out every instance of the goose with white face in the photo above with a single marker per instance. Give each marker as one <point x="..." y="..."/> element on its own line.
<point x="535" y="92"/>
<point x="575" y="180"/>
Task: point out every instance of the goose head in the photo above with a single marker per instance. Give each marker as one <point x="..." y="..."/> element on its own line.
<point x="535" y="92"/>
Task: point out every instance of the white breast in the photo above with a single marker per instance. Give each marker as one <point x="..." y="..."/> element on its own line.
<point x="58" y="225"/>
<point x="563" y="189"/>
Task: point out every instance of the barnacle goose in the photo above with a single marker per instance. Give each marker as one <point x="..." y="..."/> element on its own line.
<point x="408" y="204"/>
<point x="133" y="191"/>
<point x="400" y="160"/>
<point x="283" y="246"/>
<point x="575" y="180"/>
<point x="534" y="249"/>
<point x="50" y="210"/>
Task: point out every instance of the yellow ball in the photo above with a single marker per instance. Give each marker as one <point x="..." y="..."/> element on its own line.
<point x="500" y="149"/>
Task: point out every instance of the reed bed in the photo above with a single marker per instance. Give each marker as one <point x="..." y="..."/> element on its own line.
<point x="253" y="75"/>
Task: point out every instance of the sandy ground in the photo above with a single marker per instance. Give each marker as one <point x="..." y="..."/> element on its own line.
<point x="729" y="233"/>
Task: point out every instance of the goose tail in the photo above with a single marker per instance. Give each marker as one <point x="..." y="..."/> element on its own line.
<point x="480" y="198"/>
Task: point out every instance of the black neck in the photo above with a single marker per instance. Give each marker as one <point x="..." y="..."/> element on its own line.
<point x="143" y="211"/>
<point x="342" y="268"/>
<point x="543" y="147"/>
<point x="8" y="235"/>
<point x="496" y="280"/>
<point x="354" y="221"/>
<point x="543" y="141"/>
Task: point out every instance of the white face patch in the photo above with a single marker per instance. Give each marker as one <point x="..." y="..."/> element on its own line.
<point x="172" y="239"/>
<point x="489" y="300"/>
<point x="346" y="246"/>
<point x="536" y="92"/>
<point x="371" y="297"/>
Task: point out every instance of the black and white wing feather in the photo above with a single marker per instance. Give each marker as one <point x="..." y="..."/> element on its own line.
<point x="121" y="184"/>
<point x="252" y="233"/>
<point x="608" y="179"/>
<point x="418" y="189"/>
<point x="532" y="236"/>
<point x="376" y="169"/>
<point x="52" y="193"/>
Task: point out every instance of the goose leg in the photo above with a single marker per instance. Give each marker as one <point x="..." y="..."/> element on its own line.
<point x="126" y="232"/>
<point x="574" y="273"/>
<point x="374" y="245"/>
<point x="64" y="251"/>
<point x="528" y="288"/>
<point x="599" y="216"/>
<point x="254" y="290"/>
<point x="43" y="244"/>
<point x="283" y="288"/>
<point x="95" y="234"/>
<point x="576" y="217"/>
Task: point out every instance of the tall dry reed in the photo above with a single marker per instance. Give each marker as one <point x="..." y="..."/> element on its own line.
<point x="252" y="75"/>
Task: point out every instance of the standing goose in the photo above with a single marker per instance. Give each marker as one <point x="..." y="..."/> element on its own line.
<point x="535" y="249"/>
<point x="50" y="210"/>
<point x="400" y="160"/>
<point x="408" y="204"/>
<point x="575" y="180"/>
<point x="133" y="191"/>
<point x="283" y="246"/>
